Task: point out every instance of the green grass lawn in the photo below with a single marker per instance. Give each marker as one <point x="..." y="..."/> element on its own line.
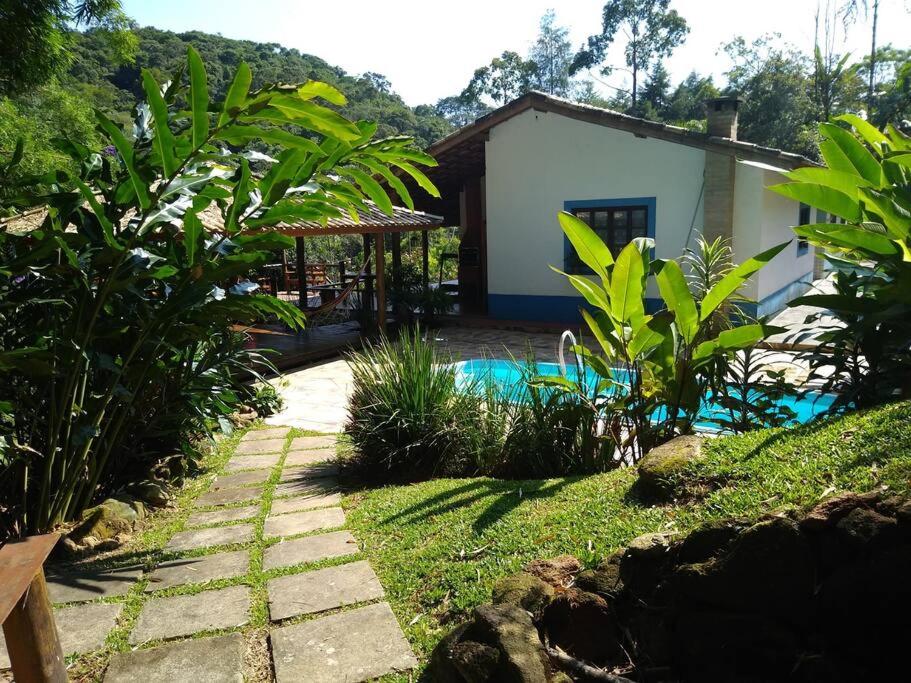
<point x="439" y="546"/>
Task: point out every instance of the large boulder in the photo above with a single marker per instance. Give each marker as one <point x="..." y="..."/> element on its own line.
<point x="663" y="468"/>
<point x="769" y="570"/>
<point x="525" y="590"/>
<point x="107" y="520"/>
<point x="583" y="625"/>
<point x="499" y="644"/>
<point x="604" y="580"/>
<point x="643" y="562"/>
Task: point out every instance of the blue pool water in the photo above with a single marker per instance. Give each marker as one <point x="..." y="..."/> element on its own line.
<point x="507" y="377"/>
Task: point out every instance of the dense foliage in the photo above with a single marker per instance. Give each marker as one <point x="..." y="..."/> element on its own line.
<point x="97" y="74"/>
<point x="118" y="308"/>
<point x="865" y="354"/>
<point x="412" y="415"/>
<point x="656" y="368"/>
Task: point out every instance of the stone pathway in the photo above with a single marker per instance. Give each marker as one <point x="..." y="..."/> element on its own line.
<point x="272" y="522"/>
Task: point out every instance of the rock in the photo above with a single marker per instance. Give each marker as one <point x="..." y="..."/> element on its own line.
<point x="152" y="492"/>
<point x="661" y="469"/>
<point x="509" y="629"/>
<point x="903" y="515"/>
<point x="170" y="468"/>
<point x="643" y="561"/>
<point x="831" y="510"/>
<point x="862" y="527"/>
<point x="772" y="558"/>
<point x="104" y="521"/>
<point x="723" y="646"/>
<point x="525" y="590"/>
<point x="441" y="667"/>
<point x="476" y="663"/>
<point x="604" y="580"/>
<point x="583" y="625"/>
<point x="709" y="541"/>
<point x="558" y="571"/>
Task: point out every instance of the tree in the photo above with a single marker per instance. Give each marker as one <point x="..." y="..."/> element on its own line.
<point x="652" y="31"/>
<point x="505" y="78"/>
<point x="892" y="89"/>
<point x="836" y="86"/>
<point x="654" y="99"/>
<point x="686" y="105"/>
<point x="552" y="53"/>
<point x="777" y="86"/>
<point x="461" y="110"/>
<point x="35" y="37"/>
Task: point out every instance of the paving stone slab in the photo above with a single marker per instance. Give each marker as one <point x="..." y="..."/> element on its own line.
<point x="222" y="515"/>
<point x="228" y="496"/>
<point x="81" y="628"/>
<point x="319" y="470"/>
<point x="348" y="647"/>
<point x="252" y="462"/>
<point x="309" y="549"/>
<point x="308" y="457"/>
<point x="317" y="591"/>
<point x="260" y="447"/>
<point x="185" y="615"/>
<point x="82" y="586"/>
<point x="209" y="660"/>
<point x="271" y="433"/>
<point x="198" y="570"/>
<point x="306" y="502"/>
<point x="303" y="522"/>
<point x="307" y="442"/>
<point x="234" y="481"/>
<point x="204" y="538"/>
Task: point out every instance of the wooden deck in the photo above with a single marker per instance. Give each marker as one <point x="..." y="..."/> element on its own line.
<point x="293" y="349"/>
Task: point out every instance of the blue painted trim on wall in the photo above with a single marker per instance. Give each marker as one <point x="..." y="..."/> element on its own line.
<point x="651" y="204"/>
<point x="534" y="308"/>
<point x="778" y="299"/>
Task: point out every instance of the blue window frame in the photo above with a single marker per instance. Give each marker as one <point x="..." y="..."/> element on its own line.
<point x="616" y="221"/>
<point x="803" y="218"/>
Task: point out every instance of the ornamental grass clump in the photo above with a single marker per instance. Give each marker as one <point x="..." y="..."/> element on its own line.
<point x="407" y="417"/>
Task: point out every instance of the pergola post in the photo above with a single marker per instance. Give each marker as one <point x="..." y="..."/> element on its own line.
<point x="301" y="272"/>
<point x="425" y="259"/>
<point x="368" y="280"/>
<point x="396" y="239"/>
<point x="380" y="284"/>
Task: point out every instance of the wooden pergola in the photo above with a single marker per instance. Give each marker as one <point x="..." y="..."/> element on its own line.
<point x="373" y="225"/>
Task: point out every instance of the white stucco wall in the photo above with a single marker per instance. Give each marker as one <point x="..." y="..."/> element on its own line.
<point x="536" y="161"/>
<point x="762" y="219"/>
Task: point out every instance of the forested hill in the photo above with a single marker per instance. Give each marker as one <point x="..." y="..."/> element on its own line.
<point x="117" y="88"/>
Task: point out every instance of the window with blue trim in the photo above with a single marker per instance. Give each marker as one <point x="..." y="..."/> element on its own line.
<point x="617" y="226"/>
<point x="803" y="218"/>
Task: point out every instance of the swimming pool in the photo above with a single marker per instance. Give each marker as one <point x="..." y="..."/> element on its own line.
<point x="507" y="377"/>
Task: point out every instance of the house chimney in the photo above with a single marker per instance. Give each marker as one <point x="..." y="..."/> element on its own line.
<point x="720" y="170"/>
<point x="721" y="116"/>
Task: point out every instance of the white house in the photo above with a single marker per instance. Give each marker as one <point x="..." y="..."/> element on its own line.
<point x="505" y="177"/>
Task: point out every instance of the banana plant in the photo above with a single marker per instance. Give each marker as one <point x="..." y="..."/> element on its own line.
<point x="866" y="186"/>
<point x="662" y="360"/>
<point x="112" y="309"/>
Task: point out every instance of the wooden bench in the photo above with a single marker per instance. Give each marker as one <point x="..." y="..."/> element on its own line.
<point x="26" y="613"/>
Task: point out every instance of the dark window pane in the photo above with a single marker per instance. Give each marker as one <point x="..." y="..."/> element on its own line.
<point x="638" y="232"/>
<point x="600" y="219"/>
<point x="804" y="215"/>
<point x="619" y="218"/>
<point x="584" y="216"/>
<point x="638" y="220"/>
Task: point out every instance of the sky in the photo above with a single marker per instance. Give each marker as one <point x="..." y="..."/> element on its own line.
<point x="429" y="49"/>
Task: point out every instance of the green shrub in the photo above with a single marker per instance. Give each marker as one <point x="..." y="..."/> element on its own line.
<point x="407" y="417"/>
<point x="410" y="418"/>
<point x="117" y="312"/>
<point x="865" y="356"/>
